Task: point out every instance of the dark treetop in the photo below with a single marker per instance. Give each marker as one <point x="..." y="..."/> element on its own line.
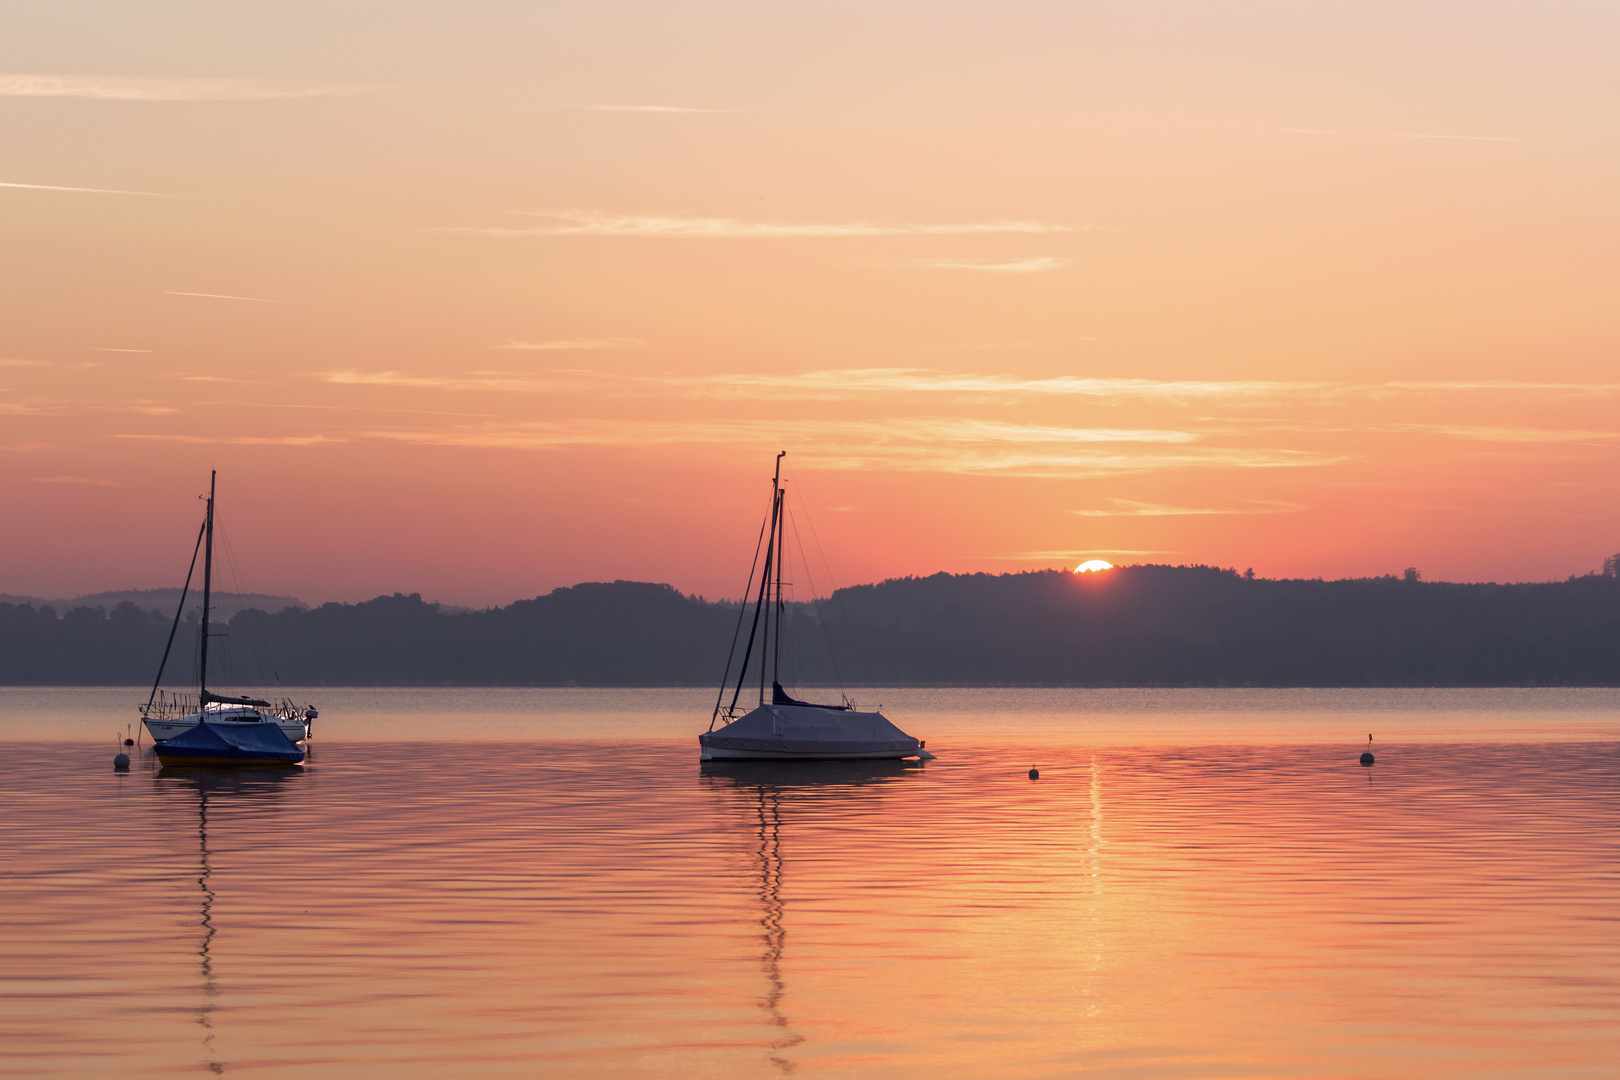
<point x="1132" y="626"/>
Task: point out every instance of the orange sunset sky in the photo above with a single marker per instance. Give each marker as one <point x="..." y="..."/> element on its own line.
<point x="480" y="299"/>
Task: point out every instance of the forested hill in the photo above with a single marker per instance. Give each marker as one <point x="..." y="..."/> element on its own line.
<point x="1132" y="626"/>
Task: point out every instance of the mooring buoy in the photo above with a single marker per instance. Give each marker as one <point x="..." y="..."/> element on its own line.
<point x="1366" y="755"/>
<point x="121" y="762"/>
<point x="1034" y="774"/>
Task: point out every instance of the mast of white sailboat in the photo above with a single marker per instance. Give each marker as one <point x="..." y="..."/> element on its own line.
<point x="781" y="530"/>
<point x="208" y="581"/>
<point x="765" y="593"/>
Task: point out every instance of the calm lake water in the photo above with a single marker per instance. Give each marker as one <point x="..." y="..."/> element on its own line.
<point x="516" y="883"/>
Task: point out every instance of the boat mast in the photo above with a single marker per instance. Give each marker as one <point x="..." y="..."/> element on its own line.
<point x="765" y="592"/>
<point x="208" y="581"/>
<point x="781" y="530"/>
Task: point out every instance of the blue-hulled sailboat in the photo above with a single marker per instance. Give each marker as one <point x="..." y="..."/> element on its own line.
<point x="212" y="728"/>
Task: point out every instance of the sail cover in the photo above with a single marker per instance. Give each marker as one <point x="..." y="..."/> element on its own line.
<point x="810" y="731"/>
<point x="236" y="743"/>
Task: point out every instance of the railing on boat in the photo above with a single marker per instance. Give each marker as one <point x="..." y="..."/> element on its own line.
<point x="167" y="706"/>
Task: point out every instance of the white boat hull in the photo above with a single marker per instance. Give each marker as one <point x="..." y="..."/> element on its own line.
<point x="778" y="755"/>
<point x="295" y="730"/>
<point x="801" y="732"/>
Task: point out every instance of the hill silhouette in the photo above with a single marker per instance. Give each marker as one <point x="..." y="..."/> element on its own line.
<point x="1133" y="626"/>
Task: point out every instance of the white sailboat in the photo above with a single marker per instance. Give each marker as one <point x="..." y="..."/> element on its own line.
<point x="167" y="715"/>
<point x="781" y="727"/>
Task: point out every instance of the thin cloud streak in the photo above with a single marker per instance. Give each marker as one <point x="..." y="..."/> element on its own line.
<point x="1506" y="434"/>
<point x="237" y="440"/>
<point x="1413" y="135"/>
<point x="222" y="296"/>
<point x="25" y="363"/>
<point x="843" y="383"/>
<point x="945" y="445"/>
<point x="1130" y="508"/>
<point x="1078" y="553"/>
<point x="1036" y="265"/>
<point x="87" y="190"/>
<point x="72" y="480"/>
<point x="593" y="223"/>
<point x="130" y="88"/>
<point x="653" y="109"/>
<point x="571" y="344"/>
<point x="109" y="348"/>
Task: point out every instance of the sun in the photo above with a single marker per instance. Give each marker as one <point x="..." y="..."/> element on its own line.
<point x="1091" y="566"/>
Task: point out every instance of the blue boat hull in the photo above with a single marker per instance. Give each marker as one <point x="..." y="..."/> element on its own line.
<point x="219" y="744"/>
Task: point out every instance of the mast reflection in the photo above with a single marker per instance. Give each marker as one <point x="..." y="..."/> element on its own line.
<point x="774" y="790"/>
<point x="222" y="786"/>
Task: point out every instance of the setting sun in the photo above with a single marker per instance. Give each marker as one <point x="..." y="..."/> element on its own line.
<point x="1093" y="565"/>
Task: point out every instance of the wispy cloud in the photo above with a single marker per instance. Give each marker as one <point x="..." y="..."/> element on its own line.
<point x="1077" y="553"/>
<point x="654" y="109"/>
<point x="594" y="223"/>
<point x="237" y="440"/>
<point x="222" y="296"/>
<point x="977" y="346"/>
<point x="569" y="344"/>
<point x="72" y="480"/>
<point x="136" y="88"/>
<point x="475" y="380"/>
<point x="852" y="383"/>
<point x="1435" y="136"/>
<point x="110" y="348"/>
<point x="25" y="363"/>
<point x="1129" y="508"/>
<point x="1036" y="265"/>
<point x="87" y="190"/>
<point x="1482" y="433"/>
<point x="943" y="445"/>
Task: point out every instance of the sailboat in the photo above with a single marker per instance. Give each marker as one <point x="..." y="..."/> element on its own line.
<point x="168" y="717"/>
<point x="782" y="727"/>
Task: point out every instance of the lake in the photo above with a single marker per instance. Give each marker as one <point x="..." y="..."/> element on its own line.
<point x="512" y="883"/>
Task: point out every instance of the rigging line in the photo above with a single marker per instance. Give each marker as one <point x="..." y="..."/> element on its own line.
<point x="759" y="606"/>
<point x="742" y="612"/>
<point x="832" y="592"/>
<point x="815" y="601"/>
<point x="179" y="610"/>
<point x="241" y="607"/>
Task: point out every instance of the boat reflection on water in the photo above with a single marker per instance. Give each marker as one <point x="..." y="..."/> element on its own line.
<point x="222" y="787"/>
<point x="770" y="792"/>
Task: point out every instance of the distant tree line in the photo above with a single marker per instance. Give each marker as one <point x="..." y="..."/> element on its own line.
<point x="1131" y="626"/>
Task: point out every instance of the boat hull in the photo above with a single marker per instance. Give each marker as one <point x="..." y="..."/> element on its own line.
<point x="214" y="744"/>
<point x="707" y="754"/>
<point x="295" y="730"/>
<point x="803" y="732"/>
<point x="171" y="761"/>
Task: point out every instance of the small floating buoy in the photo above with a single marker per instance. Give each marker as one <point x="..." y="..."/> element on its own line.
<point x="1366" y="755"/>
<point x="1034" y="774"/>
<point x="129" y="742"/>
<point x="121" y="762"/>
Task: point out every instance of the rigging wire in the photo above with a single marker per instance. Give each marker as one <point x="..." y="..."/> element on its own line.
<point x="832" y="593"/>
<point x="815" y="602"/>
<point x="234" y="570"/>
<point x="742" y="613"/>
<point x="180" y="607"/>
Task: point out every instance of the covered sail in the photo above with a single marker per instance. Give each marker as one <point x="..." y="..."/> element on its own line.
<point x="810" y="730"/>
